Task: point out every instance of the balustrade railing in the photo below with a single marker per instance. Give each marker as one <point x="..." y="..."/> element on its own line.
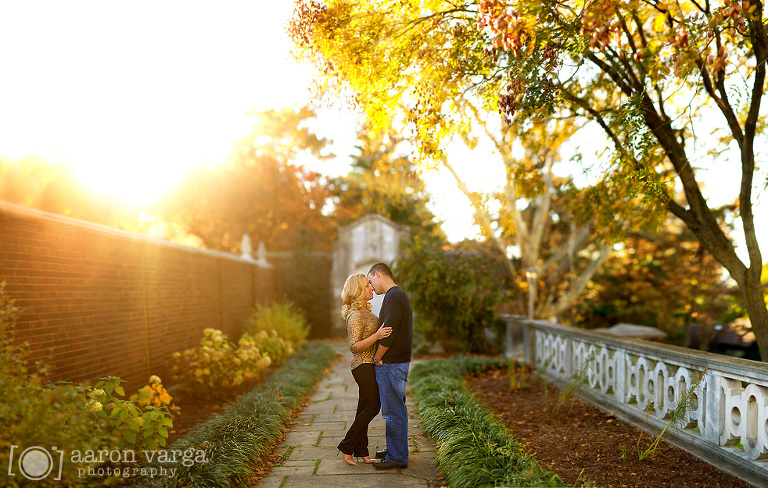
<point x="726" y="422"/>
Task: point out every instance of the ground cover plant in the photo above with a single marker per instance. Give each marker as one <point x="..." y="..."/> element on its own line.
<point x="235" y="443"/>
<point x="580" y="442"/>
<point x="474" y="449"/>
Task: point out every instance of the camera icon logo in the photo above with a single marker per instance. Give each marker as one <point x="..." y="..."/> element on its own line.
<point x="36" y="463"/>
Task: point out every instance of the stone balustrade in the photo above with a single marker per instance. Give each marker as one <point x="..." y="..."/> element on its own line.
<point x="726" y="422"/>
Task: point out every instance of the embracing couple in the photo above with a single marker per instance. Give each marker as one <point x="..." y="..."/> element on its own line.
<point x="381" y="358"/>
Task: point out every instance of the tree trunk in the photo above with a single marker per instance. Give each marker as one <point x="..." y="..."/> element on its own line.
<point x="757" y="311"/>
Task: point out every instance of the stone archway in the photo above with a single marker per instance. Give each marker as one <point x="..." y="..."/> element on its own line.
<point x="369" y="240"/>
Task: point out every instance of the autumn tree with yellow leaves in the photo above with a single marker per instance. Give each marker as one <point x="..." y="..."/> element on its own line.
<point x="673" y="86"/>
<point x="520" y="216"/>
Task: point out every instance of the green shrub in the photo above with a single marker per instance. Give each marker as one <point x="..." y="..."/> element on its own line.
<point x="474" y="449"/>
<point x="284" y="318"/>
<point x="137" y="425"/>
<point x="217" y="367"/>
<point x="269" y="344"/>
<point x="65" y="418"/>
<point x="239" y="440"/>
<point x="32" y="414"/>
<point x="454" y="295"/>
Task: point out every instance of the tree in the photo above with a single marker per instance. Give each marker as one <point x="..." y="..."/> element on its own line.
<point x="529" y="178"/>
<point x="647" y="73"/>
<point x="259" y="190"/>
<point x="56" y="188"/>
<point x="667" y="280"/>
<point x="385" y="181"/>
<point x="562" y="254"/>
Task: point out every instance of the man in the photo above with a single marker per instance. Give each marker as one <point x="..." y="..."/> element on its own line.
<point x="392" y="360"/>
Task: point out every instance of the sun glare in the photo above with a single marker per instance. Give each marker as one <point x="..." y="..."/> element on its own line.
<point x="133" y="97"/>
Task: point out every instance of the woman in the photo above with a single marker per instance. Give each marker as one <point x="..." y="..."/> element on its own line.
<point x="362" y="335"/>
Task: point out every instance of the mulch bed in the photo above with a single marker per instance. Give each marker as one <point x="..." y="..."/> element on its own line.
<point x="581" y="443"/>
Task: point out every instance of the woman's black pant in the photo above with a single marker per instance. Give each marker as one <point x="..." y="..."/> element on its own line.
<point x="368" y="406"/>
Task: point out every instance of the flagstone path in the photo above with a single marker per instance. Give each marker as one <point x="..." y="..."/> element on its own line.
<point x="312" y="458"/>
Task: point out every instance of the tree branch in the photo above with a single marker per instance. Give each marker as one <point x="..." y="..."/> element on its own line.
<point x="577" y="288"/>
<point x="481" y="215"/>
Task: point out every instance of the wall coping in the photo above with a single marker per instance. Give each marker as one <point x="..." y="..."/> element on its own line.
<point x="31" y="213"/>
<point x="675" y="354"/>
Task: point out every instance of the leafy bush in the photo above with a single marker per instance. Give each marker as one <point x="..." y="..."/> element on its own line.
<point x="269" y="344"/>
<point x="218" y="367"/>
<point x="454" y="295"/>
<point x="66" y="416"/>
<point x="32" y="414"/>
<point x="473" y="447"/>
<point x="284" y="318"/>
<point x="240" y="439"/>
<point x="139" y="423"/>
<point x="154" y="394"/>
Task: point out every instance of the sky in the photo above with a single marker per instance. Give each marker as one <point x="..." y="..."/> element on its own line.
<point x="133" y="95"/>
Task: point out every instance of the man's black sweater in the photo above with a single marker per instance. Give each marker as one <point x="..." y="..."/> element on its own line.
<point x="396" y="313"/>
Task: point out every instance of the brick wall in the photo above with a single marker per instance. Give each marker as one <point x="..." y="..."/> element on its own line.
<point x="303" y="279"/>
<point x="96" y="301"/>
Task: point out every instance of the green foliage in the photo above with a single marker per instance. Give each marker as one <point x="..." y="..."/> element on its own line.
<point x="454" y="294"/>
<point x="67" y="416"/>
<point x="243" y="437"/>
<point x="47" y="417"/>
<point x="136" y="426"/>
<point x="269" y="344"/>
<point x="651" y="77"/>
<point x="32" y="414"/>
<point x="217" y="367"/>
<point x="282" y="317"/>
<point x="666" y="280"/>
<point x="385" y="181"/>
<point x="473" y="447"/>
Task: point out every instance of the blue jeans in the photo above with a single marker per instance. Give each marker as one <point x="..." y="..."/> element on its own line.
<point x="392" y="379"/>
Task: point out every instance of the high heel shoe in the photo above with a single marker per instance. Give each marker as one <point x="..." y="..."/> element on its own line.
<point x="349" y="459"/>
<point x="368" y="460"/>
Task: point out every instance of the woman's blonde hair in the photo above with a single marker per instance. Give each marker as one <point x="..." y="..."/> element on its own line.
<point x="353" y="295"/>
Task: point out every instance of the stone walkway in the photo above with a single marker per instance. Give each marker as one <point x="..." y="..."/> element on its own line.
<point x="313" y="459"/>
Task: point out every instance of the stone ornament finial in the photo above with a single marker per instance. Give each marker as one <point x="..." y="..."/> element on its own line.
<point x="245" y="248"/>
<point x="262" y="255"/>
